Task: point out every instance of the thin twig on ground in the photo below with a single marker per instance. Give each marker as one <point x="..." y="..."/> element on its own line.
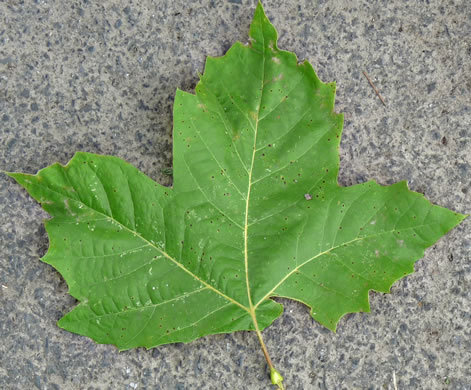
<point x="374" y="88"/>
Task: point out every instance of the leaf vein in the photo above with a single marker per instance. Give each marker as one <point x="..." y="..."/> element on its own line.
<point x="216" y="160"/>
<point x="270" y="293"/>
<point x="177" y="263"/>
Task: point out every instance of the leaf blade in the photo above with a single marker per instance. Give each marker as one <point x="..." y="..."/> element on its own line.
<point x="255" y="213"/>
<point x="378" y="248"/>
<point x="109" y="282"/>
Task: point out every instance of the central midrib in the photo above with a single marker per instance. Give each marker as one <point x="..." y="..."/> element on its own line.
<point x="249" y="187"/>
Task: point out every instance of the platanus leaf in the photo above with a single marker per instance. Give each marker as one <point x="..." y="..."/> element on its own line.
<point x="255" y="212"/>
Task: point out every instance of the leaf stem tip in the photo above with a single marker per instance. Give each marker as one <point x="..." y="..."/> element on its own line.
<point x="276" y="378"/>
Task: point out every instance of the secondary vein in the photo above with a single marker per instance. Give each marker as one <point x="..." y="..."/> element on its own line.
<point x="165" y="254"/>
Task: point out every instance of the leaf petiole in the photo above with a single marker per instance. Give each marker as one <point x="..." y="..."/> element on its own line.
<point x="275" y="376"/>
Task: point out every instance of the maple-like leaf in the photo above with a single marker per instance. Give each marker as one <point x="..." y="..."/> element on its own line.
<point x="255" y="212"/>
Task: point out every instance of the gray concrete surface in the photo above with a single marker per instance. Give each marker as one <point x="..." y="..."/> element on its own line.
<point x="100" y="76"/>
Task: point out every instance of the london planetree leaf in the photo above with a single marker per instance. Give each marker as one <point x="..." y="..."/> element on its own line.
<point x="255" y="212"/>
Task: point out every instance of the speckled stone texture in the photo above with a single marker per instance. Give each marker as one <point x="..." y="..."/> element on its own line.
<point x="100" y="76"/>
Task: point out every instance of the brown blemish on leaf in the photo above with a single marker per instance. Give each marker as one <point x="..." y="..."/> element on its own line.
<point x="279" y="77"/>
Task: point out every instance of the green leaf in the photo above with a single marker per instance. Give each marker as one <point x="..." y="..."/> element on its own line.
<point x="255" y="212"/>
